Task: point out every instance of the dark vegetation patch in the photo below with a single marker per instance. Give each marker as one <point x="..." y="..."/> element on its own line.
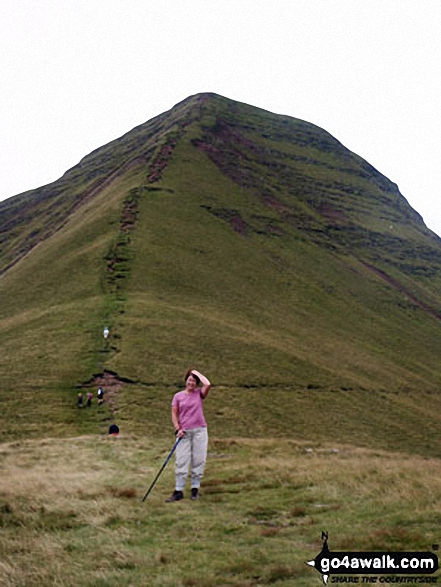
<point x="122" y="492"/>
<point x="436" y="313"/>
<point x="393" y="537"/>
<point x="298" y="512"/>
<point x="262" y="513"/>
<point x="39" y="519"/>
<point x="262" y="225"/>
<point x="232" y="217"/>
<point x="161" y="160"/>
<point x="165" y="151"/>
<point x="107" y="378"/>
<point x="119" y="254"/>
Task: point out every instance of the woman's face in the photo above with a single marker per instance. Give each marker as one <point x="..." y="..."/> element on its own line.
<point x="191" y="383"/>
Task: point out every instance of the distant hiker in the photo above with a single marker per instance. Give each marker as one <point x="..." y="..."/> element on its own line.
<point x="114" y="430"/>
<point x="106" y="332"/>
<point x="100" y="396"/>
<point x="190" y="425"/>
<point x="80" y="400"/>
<point x="89" y="399"/>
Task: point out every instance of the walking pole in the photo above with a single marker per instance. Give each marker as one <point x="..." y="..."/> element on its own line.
<point x="162" y="468"/>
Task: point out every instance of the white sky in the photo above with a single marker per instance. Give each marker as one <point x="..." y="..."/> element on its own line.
<point x="76" y="74"/>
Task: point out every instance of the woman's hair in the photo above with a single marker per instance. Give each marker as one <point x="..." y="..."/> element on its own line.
<point x="189" y="372"/>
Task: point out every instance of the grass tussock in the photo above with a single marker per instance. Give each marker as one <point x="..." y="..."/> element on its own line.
<point x="71" y="512"/>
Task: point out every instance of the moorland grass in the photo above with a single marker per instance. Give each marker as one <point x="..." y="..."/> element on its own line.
<point x="392" y="421"/>
<point x="71" y="511"/>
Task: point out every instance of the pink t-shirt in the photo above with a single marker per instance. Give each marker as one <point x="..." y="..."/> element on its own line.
<point x="191" y="414"/>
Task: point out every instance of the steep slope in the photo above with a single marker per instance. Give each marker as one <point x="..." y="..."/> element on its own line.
<point x="255" y="239"/>
<point x="33" y="216"/>
<point x="253" y="245"/>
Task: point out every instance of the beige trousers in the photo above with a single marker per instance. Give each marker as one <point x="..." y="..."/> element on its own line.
<point x="192" y="450"/>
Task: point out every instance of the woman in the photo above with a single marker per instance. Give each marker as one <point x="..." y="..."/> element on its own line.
<point x="191" y="427"/>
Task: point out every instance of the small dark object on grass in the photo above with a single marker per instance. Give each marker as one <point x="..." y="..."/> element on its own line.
<point x="114" y="430"/>
<point x="126" y="492"/>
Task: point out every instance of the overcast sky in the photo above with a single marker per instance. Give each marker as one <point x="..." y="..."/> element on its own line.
<point x="76" y="74"/>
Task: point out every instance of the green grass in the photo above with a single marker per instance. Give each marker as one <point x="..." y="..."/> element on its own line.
<point x="368" y="418"/>
<point x="227" y="262"/>
<point x="275" y="310"/>
<point x="285" y="268"/>
<point x="71" y="511"/>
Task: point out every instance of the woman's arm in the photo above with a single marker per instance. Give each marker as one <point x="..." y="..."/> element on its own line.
<point x="206" y="385"/>
<point x="175" y="419"/>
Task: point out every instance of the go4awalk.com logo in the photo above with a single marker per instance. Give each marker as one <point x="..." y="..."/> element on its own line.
<point x="375" y="567"/>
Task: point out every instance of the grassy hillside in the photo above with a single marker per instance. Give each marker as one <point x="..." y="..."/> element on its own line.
<point x="254" y="246"/>
<point x="258" y="249"/>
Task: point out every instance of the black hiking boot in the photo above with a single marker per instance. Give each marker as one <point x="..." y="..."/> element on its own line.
<point x="177" y="496"/>
<point x="195" y="493"/>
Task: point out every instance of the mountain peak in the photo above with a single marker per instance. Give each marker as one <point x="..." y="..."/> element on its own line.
<point x="219" y="233"/>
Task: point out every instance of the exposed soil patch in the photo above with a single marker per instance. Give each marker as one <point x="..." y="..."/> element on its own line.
<point x="401" y="288"/>
<point x="272" y="202"/>
<point x="161" y="160"/>
<point x="230" y="161"/>
<point x="230" y="135"/>
<point x="110" y="382"/>
<point x="330" y="212"/>
<point x="165" y="153"/>
<point x="233" y="218"/>
<point x="129" y="215"/>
